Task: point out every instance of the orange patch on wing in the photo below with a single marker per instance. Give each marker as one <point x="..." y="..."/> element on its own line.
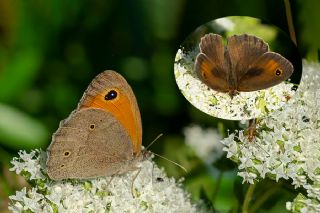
<point x="206" y="66"/>
<point x="272" y="65"/>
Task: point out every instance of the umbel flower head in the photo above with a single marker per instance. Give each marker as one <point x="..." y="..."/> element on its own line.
<point x="154" y="191"/>
<point x="287" y="144"/>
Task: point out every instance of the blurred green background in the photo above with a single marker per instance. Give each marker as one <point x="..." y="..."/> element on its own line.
<point x="51" y="50"/>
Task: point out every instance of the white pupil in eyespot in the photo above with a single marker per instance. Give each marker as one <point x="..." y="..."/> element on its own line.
<point x="112" y="94"/>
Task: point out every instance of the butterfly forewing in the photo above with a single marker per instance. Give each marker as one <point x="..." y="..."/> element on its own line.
<point x="213" y="76"/>
<point x="124" y="106"/>
<point x="210" y="64"/>
<point x="268" y="70"/>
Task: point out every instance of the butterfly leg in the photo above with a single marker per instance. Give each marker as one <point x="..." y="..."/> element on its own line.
<point x="112" y="177"/>
<point x="152" y="174"/>
<point x="251" y="131"/>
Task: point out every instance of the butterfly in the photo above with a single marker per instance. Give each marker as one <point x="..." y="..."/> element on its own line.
<point x="245" y="64"/>
<point x="102" y="136"/>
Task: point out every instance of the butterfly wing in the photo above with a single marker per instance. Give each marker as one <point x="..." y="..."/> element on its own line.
<point x="123" y="106"/>
<point x="211" y="65"/>
<point x="90" y="143"/>
<point x="243" y="50"/>
<point x="268" y="70"/>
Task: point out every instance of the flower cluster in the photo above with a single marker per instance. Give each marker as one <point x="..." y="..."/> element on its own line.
<point x="205" y="142"/>
<point x="153" y="190"/>
<point x="245" y="105"/>
<point x="286" y="145"/>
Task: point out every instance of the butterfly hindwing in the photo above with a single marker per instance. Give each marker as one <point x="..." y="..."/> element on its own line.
<point x="243" y="50"/>
<point x="90" y="143"/>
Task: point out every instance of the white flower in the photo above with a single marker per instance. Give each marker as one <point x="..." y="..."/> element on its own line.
<point x="205" y="142"/>
<point x="30" y="163"/>
<point x="303" y="205"/>
<point x="247" y="176"/>
<point x="154" y="191"/>
<point x="287" y="145"/>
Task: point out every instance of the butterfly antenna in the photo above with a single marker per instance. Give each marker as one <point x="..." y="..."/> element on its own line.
<point x="150" y="144"/>
<point x="147" y="148"/>
<point x="175" y="163"/>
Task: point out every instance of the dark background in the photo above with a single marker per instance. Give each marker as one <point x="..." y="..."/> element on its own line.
<point x="50" y="51"/>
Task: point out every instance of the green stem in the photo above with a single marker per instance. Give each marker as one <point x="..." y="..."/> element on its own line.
<point x="290" y="21"/>
<point x="216" y="189"/>
<point x="248" y="198"/>
<point x="263" y="198"/>
<point x="235" y="207"/>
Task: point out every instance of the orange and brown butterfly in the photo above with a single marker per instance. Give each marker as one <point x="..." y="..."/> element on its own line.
<point x="245" y="64"/>
<point x="102" y="137"/>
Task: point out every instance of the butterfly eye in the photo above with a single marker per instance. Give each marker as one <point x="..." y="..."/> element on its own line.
<point x="278" y="72"/>
<point x="112" y="94"/>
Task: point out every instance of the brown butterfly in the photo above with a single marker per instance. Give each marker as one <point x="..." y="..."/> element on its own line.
<point x="102" y="137"/>
<point x="245" y="64"/>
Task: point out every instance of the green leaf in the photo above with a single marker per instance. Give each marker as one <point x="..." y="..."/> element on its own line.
<point x="19" y="131"/>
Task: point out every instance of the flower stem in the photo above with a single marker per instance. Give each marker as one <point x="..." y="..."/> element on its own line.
<point x="218" y="184"/>
<point x="290" y="21"/>
<point x="248" y="198"/>
<point x="263" y="198"/>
